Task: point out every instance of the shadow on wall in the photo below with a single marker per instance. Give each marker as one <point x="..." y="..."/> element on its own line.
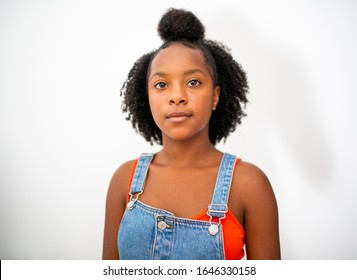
<point x="281" y="98"/>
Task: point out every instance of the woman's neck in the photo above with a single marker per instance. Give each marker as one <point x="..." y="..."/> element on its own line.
<point x="187" y="153"/>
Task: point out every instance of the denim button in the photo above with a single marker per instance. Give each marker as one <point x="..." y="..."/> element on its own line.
<point x="213" y="229"/>
<point x="130" y="204"/>
<point x="162" y="225"/>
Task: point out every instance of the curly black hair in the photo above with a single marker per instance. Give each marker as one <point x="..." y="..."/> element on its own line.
<point x="181" y="26"/>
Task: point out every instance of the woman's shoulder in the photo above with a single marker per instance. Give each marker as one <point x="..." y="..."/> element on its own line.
<point x="250" y="174"/>
<point x="124" y="169"/>
<point x="251" y="184"/>
<point x="120" y="181"/>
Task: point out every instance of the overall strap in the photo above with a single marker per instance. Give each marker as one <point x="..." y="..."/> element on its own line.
<point x="218" y="207"/>
<point x="137" y="186"/>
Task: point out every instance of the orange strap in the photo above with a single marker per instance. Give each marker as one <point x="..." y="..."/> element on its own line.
<point x="132" y="177"/>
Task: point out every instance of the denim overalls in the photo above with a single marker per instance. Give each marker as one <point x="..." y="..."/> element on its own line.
<point x="150" y="233"/>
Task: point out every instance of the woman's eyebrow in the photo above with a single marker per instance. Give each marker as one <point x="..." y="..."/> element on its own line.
<point x="187" y="72"/>
<point x="193" y="71"/>
<point x="159" y="74"/>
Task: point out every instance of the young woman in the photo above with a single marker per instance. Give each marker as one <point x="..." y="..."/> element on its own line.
<point x="188" y="200"/>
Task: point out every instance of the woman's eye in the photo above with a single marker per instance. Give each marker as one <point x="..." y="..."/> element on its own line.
<point x="194" y="83"/>
<point x="160" y="85"/>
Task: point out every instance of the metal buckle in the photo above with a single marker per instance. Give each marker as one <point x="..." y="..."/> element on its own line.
<point x="218" y="211"/>
<point x="214" y="228"/>
<point x="132" y="201"/>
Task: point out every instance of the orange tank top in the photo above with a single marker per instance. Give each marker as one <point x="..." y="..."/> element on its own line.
<point x="233" y="231"/>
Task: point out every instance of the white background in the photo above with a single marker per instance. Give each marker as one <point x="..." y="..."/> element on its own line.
<point x="62" y="132"/>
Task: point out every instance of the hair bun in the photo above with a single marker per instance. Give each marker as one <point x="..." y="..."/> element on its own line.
<point x="180" y="24"/>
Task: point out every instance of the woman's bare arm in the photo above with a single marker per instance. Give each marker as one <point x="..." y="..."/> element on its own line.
<point x="260" y="213"/>
<point x="115" y="207"/>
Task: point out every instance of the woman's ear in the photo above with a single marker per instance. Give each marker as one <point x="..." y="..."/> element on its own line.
<point x="216" y="92"/>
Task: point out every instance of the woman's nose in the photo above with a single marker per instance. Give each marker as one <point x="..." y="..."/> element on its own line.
<point x="178" y="96"/>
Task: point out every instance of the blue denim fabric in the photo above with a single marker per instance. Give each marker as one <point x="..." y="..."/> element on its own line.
<point x="150" y="233"/>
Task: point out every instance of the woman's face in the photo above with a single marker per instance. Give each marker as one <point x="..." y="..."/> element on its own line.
<point x="181" y="93"/>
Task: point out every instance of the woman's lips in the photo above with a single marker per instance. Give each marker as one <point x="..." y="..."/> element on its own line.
<point x="178" y="117"/>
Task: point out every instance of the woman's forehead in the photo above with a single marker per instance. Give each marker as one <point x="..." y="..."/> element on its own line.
<point x="178" y="56"/>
